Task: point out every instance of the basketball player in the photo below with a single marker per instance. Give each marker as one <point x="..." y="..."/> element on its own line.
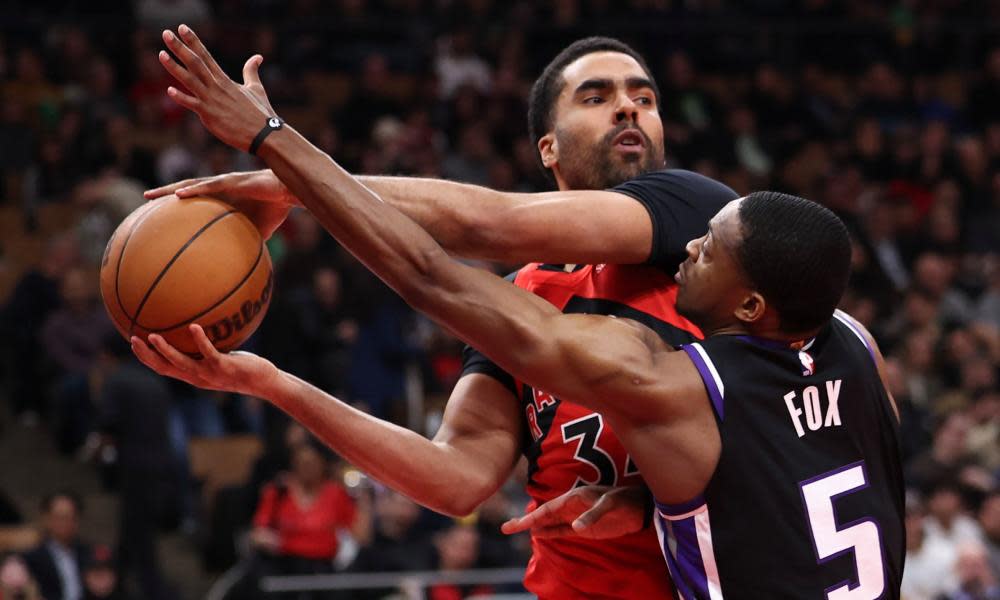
<point x="771" y="447"/>
<point x="594" y="115"/>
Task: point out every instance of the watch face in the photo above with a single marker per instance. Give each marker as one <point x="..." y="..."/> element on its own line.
<point x="274" y="122"/>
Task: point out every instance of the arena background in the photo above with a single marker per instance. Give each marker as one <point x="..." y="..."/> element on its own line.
<point x="888" y="112"/>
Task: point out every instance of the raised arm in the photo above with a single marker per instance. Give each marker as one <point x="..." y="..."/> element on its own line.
<point x="574" y="226"/>
<point x="580" y="227"/>
<point x="474" y="450"/>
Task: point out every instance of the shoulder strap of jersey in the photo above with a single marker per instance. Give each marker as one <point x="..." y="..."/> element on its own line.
<point x="709" y="375"/>
<point x="846" y="321"/>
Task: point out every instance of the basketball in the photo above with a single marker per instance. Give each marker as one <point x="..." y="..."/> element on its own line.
<point x="176" y="261"/>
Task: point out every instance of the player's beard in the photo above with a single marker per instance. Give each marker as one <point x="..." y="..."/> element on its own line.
<point x="598" y="166"/>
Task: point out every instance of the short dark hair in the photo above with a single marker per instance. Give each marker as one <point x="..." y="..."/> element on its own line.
<point x="549" y="84"/>
<point x="49" y="499"/>
<point x="797" y="254"/>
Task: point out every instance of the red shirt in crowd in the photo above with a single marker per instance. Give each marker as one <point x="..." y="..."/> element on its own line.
<point x="306" y="531"/>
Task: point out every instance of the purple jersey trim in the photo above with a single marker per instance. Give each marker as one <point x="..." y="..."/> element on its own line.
<point x="677" y="510"/>
<point x="695" y="574"/>
<point x="689" y="559"/>
<point x="764" y="342"/>
<point x="707" y="376"/>
<point x="680" y="582"/>
<point x="857" y="332"/>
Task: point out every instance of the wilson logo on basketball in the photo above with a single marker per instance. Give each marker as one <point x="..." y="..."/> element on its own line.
<point x="224" y="328"/>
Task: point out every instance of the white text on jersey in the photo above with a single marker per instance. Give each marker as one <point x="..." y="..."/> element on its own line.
<point x="815" y="416"/>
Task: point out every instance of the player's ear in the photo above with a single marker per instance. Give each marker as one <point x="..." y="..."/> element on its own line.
<point x="548" y="150"/>
<point x="751" y="308"/>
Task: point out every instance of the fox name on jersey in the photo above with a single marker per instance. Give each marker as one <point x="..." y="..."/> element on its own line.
<point x="816" y="417"/>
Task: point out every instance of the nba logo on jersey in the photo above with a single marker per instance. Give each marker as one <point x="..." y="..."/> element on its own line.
<point x="808" y="364"/>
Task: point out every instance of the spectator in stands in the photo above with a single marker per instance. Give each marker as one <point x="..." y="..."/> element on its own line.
<point x="457" y="550"/>
<point x="948" y="458"/>
<point x="497" y="549"/>
<point x="32" y="89"/>
<point x="398" y="543"/>
<point x="100" y="576"/>
<point x="35" y="297"/>
<point x="948" y="521"/>
<point x="457" y="65"/>
<point x="16" y="581"/>
<point x="233" y="508"/>
<point x="929" y="562"/>
<point x="976" y="581"/>
<point x="298" y="522"/>
<point x="380" y="354"/>
<point x="989" y="521"/>
<point x="984" y="434"/>
<point x="57" y="563"/>
<point x="186" y="156"/>
<point x="135" y="404"/>
<point x="370" y="99"/>
<point x="312" y="330"/>
<point x="72" y="336"/>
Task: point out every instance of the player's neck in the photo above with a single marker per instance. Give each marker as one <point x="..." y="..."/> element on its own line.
<point x="772" y="334"/>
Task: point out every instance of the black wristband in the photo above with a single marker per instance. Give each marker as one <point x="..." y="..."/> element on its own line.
<point x="649" y="507"/>
<point x="273" y="124"/>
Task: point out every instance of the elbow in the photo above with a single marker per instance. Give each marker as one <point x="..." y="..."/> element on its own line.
<point x="475" y="488"/>
<point x="459" y="505"/>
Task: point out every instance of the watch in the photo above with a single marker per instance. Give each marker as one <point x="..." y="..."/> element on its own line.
<point x="272" y="124"/>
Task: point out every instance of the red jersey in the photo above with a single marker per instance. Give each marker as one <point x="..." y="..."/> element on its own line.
<point x="568" y="445"/>
<point x="307" y="531"/>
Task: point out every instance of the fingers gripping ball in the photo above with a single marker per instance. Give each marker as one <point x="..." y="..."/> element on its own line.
<point x="179" y="261"/>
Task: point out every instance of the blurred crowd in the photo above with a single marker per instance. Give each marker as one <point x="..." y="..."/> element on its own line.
<point x="886" y="111"/>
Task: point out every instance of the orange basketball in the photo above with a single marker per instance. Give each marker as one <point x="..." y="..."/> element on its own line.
<point x="176" y="261"/>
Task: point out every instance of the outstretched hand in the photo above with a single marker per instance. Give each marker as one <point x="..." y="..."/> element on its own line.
<point x="594" y="512"/>
<point x="233" y="112"/>
<point x="257" y="194"/>
<point x="239" y="372"/>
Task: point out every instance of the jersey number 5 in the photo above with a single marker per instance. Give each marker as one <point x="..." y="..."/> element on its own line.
<point x="830" y="541"/>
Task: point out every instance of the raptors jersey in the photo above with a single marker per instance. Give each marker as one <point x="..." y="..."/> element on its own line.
<point x="806" y="501"/>
<point x="567" y="445"/>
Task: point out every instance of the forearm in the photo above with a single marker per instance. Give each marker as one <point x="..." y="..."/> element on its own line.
<point x="417" y="467"/>
<point x="564" y="227"/>
<point x="560" y="227"/>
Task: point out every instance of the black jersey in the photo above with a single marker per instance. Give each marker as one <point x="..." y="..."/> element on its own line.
<point x="807" y="499"/>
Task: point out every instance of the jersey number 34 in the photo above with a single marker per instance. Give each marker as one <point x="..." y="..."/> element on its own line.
<point x="586" y="433"/>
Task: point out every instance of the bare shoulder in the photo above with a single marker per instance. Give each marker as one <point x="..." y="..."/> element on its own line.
<point x="660" y="379"/>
